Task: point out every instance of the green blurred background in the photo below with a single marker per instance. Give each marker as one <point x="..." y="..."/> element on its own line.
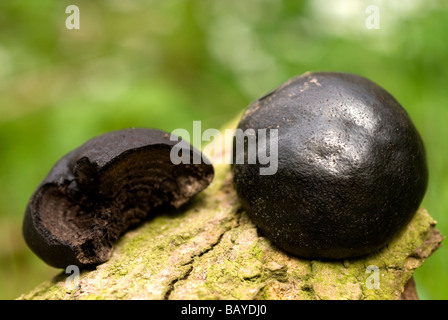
<point x="166" y="63"/>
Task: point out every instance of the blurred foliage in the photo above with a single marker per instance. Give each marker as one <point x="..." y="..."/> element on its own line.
<point x="163" y="64"/>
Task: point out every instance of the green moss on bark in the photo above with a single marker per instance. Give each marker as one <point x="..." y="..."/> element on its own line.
<point x="211" y="250"/>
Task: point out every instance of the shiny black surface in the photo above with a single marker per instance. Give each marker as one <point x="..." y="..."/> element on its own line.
<point x="351" y="167"/>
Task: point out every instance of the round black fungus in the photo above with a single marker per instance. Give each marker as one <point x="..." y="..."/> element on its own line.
<point x="351" y="167"/>
<point x="101" y="189"/>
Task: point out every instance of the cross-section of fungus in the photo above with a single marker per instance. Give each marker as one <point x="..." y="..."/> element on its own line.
<point x="101" y="189"/>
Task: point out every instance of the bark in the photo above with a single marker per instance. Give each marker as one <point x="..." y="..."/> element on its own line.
<point x="211" y="250"/>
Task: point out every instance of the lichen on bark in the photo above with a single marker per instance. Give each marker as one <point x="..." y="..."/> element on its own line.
<point x="209" y="249"/>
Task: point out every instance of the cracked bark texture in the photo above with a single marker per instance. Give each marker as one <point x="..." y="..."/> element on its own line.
<point x="209" y="249"/>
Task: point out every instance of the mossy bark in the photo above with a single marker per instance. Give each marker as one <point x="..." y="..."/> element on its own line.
<point x="210" y="249"/>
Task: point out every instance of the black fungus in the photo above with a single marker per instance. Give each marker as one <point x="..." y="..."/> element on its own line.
<point x="101" y="189"/>
<point x="351" y="167"/>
